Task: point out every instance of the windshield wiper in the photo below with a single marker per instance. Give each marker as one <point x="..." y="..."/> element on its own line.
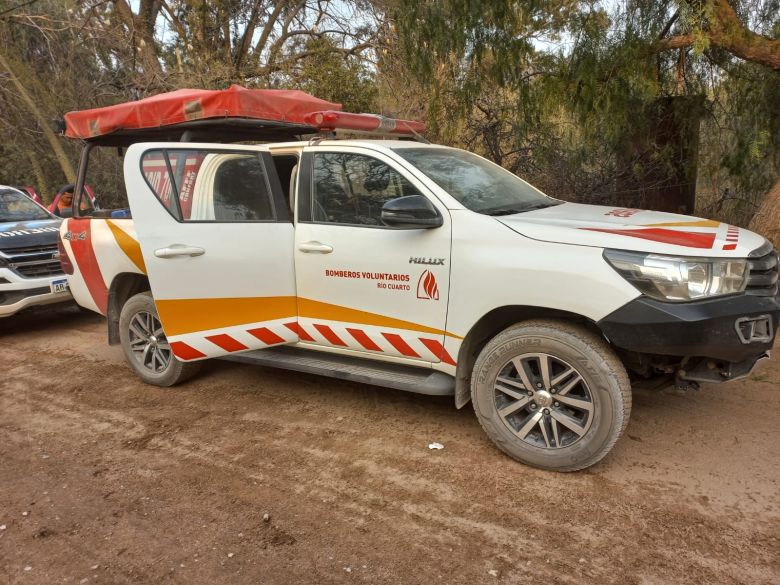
<point x="513" y="210"/>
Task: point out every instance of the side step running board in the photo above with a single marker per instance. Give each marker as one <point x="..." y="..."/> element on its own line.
<point x="400" y="377"/>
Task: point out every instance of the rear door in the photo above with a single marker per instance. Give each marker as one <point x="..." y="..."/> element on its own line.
<point x="217" y="241"/>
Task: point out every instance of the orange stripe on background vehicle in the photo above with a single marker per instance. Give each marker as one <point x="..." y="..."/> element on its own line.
<point x="128" y="244"/>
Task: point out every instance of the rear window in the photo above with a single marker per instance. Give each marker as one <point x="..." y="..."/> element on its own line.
<point x="206" y="185"/>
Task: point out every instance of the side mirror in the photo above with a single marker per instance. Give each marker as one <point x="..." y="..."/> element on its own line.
<point x="410" y="212"/>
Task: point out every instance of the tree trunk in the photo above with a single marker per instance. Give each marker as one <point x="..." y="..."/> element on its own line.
<point x="43" y="123"/>
<point x="766" y="221"/>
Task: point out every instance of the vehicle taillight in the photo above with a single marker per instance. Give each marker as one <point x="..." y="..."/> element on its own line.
<point x="67" y="265"/>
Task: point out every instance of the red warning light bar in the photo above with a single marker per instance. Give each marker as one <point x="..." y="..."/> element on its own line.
<point x="372" y="123"/>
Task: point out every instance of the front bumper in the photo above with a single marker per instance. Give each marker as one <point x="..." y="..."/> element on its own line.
<point x="18" y="293"/>
<point x="732" y="329"/>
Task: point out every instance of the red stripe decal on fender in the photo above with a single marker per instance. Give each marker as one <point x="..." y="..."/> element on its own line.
<point x="185" y="352"/>
<point x="299" y="331"/>
<point x="438" y="350"/>
<point x="363" y="339"/>
<point x="730" y="247"/>
<point x="84" y="255"/>
<point x="330" y="335"/>
<point x="226" y="342"/>
<point x="266" y="336"/>
<point x="675" y="237"/>
<point x="397" y="342"/>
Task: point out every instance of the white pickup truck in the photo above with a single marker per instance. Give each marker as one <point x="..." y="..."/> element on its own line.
<point x="423" y="268"/>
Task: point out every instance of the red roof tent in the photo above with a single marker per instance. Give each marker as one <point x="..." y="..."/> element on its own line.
<point x="264" y="113"/>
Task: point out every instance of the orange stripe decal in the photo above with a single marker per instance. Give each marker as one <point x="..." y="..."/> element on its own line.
<point x="330" y="335"/>
<point x="130" y="247"/>
<point x="180" y="316"/>
<point x="705" y="223"/>
<point x="363" y="339"/>
<point x="397" y="342"/>
<point x="319" y="310"/>
<point x="438" y="350"/>
<point x="224" y="341"/>
<point x="185" y="352"/>
<point x="299" y="331"/>
<point x="266" y="335"/>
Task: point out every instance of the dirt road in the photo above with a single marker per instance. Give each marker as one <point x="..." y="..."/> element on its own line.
<point x="106" y="480"/>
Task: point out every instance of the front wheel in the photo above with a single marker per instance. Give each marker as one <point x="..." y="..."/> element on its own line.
<point x="146" y="348"/>
<point x="551" y="394"/>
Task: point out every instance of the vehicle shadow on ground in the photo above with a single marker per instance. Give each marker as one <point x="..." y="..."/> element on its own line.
<point x="49" y="318"/>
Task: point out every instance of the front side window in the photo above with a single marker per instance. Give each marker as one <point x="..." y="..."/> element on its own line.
<point x="15" y="206"/>
<point x="202" y="185"/>
<point x="352" y="188"/>
<point x="476" y="183"/>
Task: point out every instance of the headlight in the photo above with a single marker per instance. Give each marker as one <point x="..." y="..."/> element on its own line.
<point x="678" y="278"/>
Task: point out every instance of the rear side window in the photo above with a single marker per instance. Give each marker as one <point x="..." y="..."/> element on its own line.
<point x="207" y="185"/>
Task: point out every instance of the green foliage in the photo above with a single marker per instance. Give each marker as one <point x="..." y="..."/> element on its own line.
<point x="329" y="75"/>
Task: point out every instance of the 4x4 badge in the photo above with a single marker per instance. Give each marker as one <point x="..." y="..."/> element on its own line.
<point x="429" y="261"/>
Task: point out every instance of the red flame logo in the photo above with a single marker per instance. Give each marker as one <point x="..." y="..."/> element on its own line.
<point x="427" y="287"/>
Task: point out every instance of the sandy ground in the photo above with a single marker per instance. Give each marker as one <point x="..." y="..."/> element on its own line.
<point x="106" y="480"/>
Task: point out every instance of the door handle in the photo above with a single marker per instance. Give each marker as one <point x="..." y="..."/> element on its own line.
<point x="315" y="248"/>
<point x="179" y="250"/>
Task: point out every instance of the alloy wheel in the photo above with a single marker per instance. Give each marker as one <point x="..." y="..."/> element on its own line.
<point x="543" y="400"/>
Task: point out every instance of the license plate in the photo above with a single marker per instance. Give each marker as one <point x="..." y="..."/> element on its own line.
<point x="58" y="286"/>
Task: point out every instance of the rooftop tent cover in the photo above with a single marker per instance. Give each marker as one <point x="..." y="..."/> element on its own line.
<point x="185" y="105"/>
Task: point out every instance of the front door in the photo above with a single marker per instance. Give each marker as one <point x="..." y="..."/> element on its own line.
<point x="217" y="241"/>
<point x="363" y="286"/>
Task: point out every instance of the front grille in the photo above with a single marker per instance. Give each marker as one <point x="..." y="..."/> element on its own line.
<point x="762" y="279"/>
<point x="33" y="261"/>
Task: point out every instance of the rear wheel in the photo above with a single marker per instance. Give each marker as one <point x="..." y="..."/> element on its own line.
<point x="146" y="348"/>
<point x="551" y="395"/>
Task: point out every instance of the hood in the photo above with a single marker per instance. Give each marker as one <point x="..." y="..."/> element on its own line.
<point x="23" y="234"/>
<point x="634" y="229"/>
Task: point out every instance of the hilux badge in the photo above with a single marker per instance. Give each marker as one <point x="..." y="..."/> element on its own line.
<point x="428" y="261"/>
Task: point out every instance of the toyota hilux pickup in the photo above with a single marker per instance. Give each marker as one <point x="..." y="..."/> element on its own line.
<point x="407" y="265"/>
<point x="30" y="271"/>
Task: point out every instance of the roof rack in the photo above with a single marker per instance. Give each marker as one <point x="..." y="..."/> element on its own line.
<point x="233" y="115"/>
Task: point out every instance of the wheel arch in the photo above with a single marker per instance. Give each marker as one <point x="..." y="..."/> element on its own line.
<point x="124" y="286"/>
<point x="490" y="325"/>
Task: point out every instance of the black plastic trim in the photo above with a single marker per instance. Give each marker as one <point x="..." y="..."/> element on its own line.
<point x="695" y="329"/>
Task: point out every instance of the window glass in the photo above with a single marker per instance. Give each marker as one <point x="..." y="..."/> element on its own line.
<point x="211" y="186"/>
<point x="478" y="184"/>
<point x="352" y="188"/>
<point x="14" y="206"/>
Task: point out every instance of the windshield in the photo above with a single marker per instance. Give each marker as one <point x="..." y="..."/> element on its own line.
<point x="14" y="206"/>
<point x="478" y="184"/>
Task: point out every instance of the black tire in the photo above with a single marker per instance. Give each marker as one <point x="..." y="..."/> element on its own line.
<point x="603" y="388"/>
<point x="157" y="374"/>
